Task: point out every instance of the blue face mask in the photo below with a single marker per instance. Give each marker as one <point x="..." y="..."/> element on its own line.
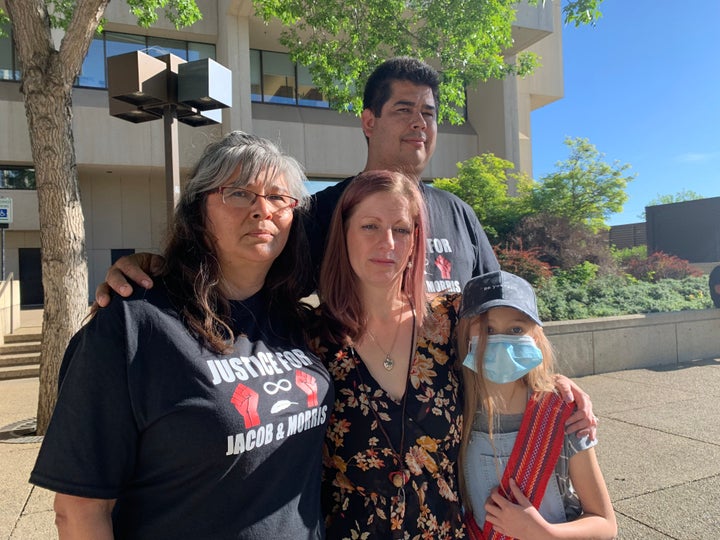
<point x="507" y="358"/>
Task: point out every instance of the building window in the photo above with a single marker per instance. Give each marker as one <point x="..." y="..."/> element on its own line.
<point x="278" y="78"/>
<point x="17" y="178"/>
<point x="198" y="51"/>
<point x="116" y="43"/>
<point x="255" y="75"/>
<point x="94" y="69"/>
<point x="160" y="46"/>
<point x="9" y="70"/>
<point x="274" y="78"/>
<point x="93" y="73"/>
<point x="308" y="94"/>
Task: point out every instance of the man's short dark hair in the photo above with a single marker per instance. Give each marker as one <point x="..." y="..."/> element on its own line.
<point x="400" y="68"/>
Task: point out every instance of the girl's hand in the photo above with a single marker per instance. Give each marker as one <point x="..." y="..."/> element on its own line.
<point x="521" y="520"/>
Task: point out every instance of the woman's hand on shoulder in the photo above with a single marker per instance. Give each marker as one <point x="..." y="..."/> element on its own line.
<point x="135" y="267"/>
<point x="583" y="421"/>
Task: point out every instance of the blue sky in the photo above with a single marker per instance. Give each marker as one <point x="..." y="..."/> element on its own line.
<point x="643" y="86"/>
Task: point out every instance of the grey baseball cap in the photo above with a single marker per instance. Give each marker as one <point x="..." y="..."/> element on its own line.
<point x="498" y="289"/>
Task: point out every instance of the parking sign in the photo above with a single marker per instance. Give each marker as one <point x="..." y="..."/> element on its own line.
<point x="6" y="214"/>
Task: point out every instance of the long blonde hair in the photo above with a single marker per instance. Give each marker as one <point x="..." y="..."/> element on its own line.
<point x="477" y="397"/>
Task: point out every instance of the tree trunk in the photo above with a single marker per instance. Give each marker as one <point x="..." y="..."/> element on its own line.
<point x="62" y="234"/>
<point x="48" y="76"/>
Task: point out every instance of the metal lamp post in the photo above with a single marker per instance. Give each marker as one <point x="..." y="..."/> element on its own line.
<point x="142" y="88"/>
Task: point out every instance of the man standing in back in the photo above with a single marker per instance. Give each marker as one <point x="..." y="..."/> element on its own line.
<point x="399" y="120"/>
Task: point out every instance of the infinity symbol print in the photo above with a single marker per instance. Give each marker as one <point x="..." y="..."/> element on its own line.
<point x="273" y="388"/>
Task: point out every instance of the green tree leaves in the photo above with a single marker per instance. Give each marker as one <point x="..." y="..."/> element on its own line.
<point x="579" y="12"/>
<point x="342" y="42"/>
<point x="585" y="189"/>
<point x="180" y="12"/>
<point x="486" y="182"/>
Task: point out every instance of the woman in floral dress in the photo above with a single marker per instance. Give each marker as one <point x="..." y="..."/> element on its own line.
<point x="391" y="449"/>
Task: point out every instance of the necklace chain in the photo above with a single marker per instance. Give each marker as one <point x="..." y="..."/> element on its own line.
<point x="388" y="362"/>
<point x="401" y="476"/>
<point x="396" y="454"/>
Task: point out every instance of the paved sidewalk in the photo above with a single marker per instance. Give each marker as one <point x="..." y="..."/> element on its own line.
<point x="659" y="450"/>
<point x="25" y="510"/>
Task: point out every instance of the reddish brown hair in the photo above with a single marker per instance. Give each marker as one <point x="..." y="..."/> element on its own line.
<point x="339" y="287"/>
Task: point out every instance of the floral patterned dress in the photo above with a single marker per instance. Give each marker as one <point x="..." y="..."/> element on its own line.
<point x="371" y="488"/>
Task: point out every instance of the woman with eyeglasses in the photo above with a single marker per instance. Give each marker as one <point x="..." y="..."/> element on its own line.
<point x="195" y="409"/>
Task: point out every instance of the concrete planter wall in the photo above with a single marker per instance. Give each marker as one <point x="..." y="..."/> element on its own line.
<point x="591" y="346"/>
<point x="9" y="307"/>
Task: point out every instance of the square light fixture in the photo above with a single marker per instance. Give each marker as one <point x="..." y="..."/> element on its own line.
<point x="205" y="84"/>
<point x="131" y="113"/>
<point x="202" y="118"/>
<point x="137" y="78"/>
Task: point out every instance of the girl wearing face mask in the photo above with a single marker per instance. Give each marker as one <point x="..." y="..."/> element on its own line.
<point x="522" y="477"/>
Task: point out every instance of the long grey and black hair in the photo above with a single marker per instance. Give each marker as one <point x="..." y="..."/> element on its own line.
<point x="192" y="271"/>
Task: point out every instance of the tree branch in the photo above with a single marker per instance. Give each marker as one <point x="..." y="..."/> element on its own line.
<point x="79" y="33"/>
<point x="31" y="26"/>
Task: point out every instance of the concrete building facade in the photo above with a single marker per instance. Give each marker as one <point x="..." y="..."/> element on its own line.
<point x="121" y="165"/>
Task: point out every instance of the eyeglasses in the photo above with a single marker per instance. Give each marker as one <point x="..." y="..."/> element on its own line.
<point x="244" y="198"/>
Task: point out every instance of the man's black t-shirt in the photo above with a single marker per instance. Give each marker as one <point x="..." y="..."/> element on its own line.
<point x="192" y="444"/>
<point x="457" y="247"/>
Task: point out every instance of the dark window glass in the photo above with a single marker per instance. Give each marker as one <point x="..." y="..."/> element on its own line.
<point x="462" y="111"/>
<point x="94" y="70"/>
<point x="278" y="78"/>
<point x="275" y="79"/>
<point x="17" y="178"/>
<point x="8" y="72"/>
<point x="92" y="73"/>
<point x="116" y="43"/>
<point x="308" y="94"/>
<point x="161" y="46"/>
<point x="198" y="51"/>
<point x="255" y="75"/>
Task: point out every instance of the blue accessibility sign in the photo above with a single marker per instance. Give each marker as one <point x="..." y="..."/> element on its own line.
<point x="6" y="210"/>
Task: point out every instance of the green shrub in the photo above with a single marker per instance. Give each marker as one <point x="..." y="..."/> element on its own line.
<point x="611" y="295"/>
<point x="580" y="274"/>
<point x="622" y="256"/>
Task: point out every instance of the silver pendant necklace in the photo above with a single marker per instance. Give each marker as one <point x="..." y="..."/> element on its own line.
<point x="388" y="362"/>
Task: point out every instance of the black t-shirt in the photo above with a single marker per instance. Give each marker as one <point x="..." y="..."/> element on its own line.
<point x="457" y="247"/>
<point x="192" y="444"/>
